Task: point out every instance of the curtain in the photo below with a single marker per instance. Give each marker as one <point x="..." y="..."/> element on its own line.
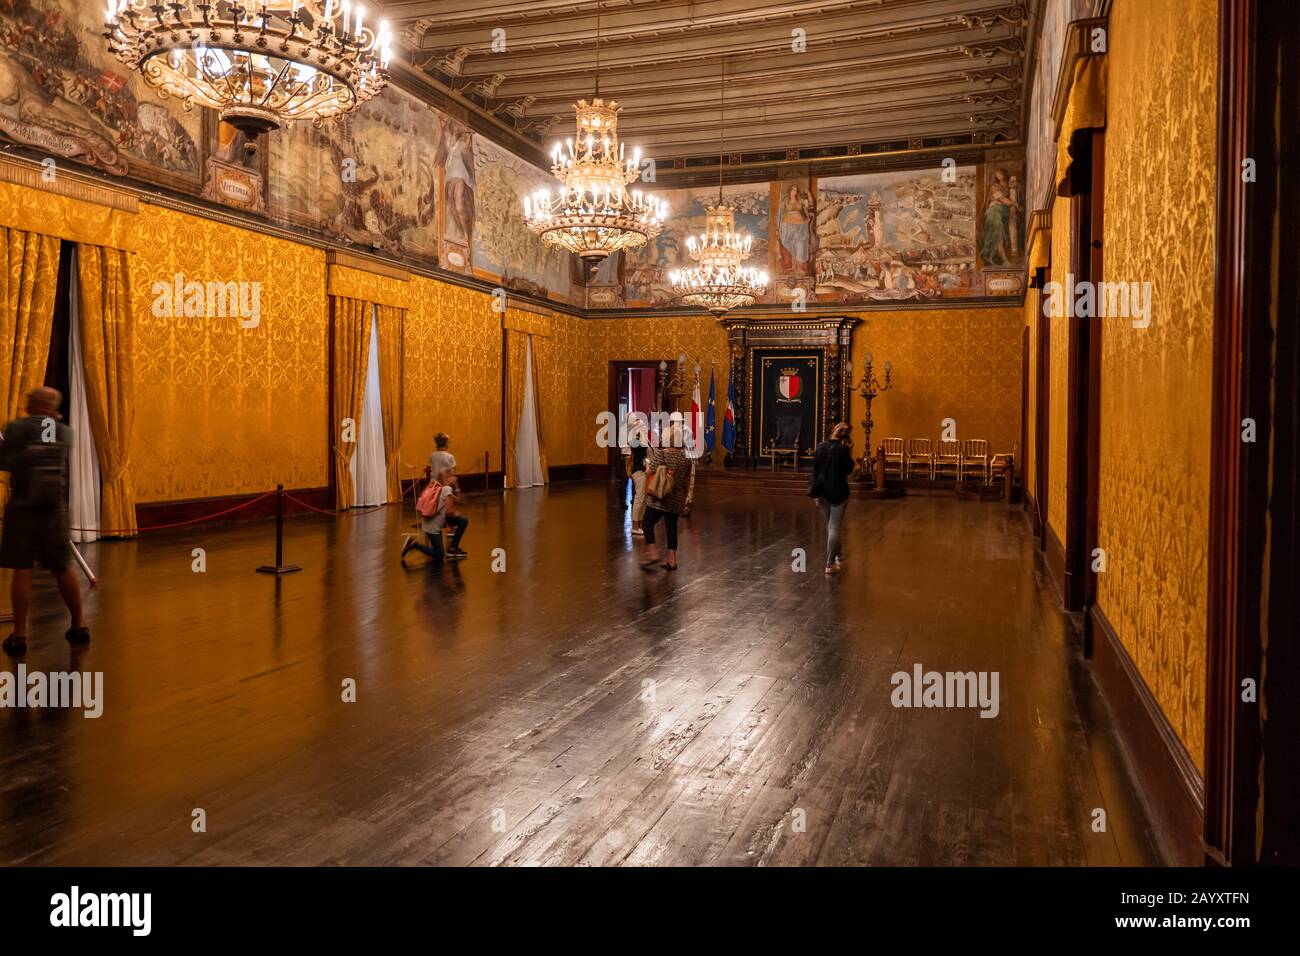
<point x="107" y="326"/>
<point x="537" y="409"/>
<point x="83" y="468"/>
<point x="515" y="364"/>
<point x="392" y="325"/>
<point x="528" y="459"/>
<point x="369" y="472"/>
<point x="27" y="283"/>
<point x="348" y="367"/>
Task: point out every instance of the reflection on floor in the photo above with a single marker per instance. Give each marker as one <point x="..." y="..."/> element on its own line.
<point x="573" y="709"/>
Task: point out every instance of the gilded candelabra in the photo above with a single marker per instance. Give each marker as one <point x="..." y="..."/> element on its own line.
<point x="869" y="388"/>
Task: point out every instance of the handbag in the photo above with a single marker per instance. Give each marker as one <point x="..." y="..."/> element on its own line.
<point x="661" y="482"/>
<point x="817" y="485"/>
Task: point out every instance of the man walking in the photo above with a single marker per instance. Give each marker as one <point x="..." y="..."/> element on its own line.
<point x="36" y="452"/>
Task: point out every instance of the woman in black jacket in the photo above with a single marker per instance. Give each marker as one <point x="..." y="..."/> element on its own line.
<point x="832" y="468"/>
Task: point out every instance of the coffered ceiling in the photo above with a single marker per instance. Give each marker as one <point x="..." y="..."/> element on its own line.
<point x="873" y="74"/>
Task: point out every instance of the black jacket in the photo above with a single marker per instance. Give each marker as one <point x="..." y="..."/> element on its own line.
<point x="832" y="465"/>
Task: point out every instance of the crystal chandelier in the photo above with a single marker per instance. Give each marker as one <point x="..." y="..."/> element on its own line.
<point x="719" y="282"/>
<point x="259" y="63"/>
<point x="593" y="214"/>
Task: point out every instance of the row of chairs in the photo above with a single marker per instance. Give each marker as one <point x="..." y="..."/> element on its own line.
<point x="920" y="458"/>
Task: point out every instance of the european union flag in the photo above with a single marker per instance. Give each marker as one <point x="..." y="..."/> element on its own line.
<point x="729" y="420"/>
<point x="710" y="419"/>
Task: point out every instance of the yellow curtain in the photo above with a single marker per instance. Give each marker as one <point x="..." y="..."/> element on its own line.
<point x="107" y="337"/>
<point x="348" y="366"/>
<point x="516" y="343"/>
<point x="537" y="411"/>
<point x="392" y="323"/>
<point x="26" y="315"/>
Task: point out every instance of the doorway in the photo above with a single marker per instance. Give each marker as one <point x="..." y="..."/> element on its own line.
<point x="633" y="387"/>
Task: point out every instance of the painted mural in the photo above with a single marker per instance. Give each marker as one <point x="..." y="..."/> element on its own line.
<point x="455" y="160"/>
<point x="908" y="235"/>
<point x="366" y="178"/>
<point x="645" y="272"/>
<point x="502" y="247"/>
<point x="62" y="92"/>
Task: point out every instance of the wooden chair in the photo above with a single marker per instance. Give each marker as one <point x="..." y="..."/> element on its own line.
<point x="891" y="450"/>
<point x="999" y="465"/>
<point x="918" y="453"/>
<point x="947" y="460"/>
<point x="785" y="446"/>
<point x="975" y="460"/>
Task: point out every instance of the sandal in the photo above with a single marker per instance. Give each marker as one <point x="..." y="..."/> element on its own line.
<point x="78" y="635"/>
<point x="668" y="567"/>
<point x="15" y="645"/>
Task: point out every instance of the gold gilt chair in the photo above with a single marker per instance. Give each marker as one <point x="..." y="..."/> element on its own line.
<point x="918" y="453"/>
<point x="974" y="459"/>
<point x="891" y="450"/>
<point x="947" y="460"/>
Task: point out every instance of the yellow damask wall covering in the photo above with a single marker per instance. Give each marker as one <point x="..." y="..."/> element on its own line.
<point x="1058" y="382"/>
<point x="222" y="409"/>
<point x="452" y="374"/>
<point x="1025" y="465"/>
<point x="1156" y="382"/>
<point x="948" y="363"/>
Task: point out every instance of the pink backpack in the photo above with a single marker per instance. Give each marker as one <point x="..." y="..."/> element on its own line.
<point x="428" y="503"/>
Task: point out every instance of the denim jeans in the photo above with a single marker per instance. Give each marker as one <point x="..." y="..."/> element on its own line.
<point x="434" y="548"/>
<point x="833" y="515"/>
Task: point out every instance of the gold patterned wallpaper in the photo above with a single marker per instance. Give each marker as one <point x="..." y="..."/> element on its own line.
<point x="452" y="373"/>
<point x="1156" y="382"/>
<point x="224" y="409"/>
<point x="962" y="364"/>
<point x="1058" y="380"/>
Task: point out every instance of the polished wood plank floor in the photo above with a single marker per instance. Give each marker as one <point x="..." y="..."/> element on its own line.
<point x="574" y="709"/>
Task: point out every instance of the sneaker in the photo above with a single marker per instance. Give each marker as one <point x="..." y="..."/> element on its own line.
<point x="407" y="544"/>
<point x="640" y="531"/>
<point x="832" y="569"/>
<point x="457" y="553"/>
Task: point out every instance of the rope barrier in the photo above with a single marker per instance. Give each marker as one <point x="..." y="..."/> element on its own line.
<point x="175" y="524"/>
<point x="350" y="513"/>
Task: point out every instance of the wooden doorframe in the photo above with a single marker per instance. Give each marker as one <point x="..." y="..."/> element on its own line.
<point x="1043" y="405"/>
<point x="1083" y="388"/>
<point x="1022" y="453"/>
<point x="1252" y="768"/>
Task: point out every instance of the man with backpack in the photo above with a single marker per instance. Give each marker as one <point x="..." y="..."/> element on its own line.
<point x="437" y="508"/>
<point x="36" y="451"/>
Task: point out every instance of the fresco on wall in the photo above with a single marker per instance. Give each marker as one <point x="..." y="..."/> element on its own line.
<point x="502" y="247"/>
<point x="366" y="178"/>
<point x="455" y="160"/>
<point x="646" y="270"/>
<point x="897" y="235"/>
<point x="1040" y="143"/>
<point x="62" y="92"/>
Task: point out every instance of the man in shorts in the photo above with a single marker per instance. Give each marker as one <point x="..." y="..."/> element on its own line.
<point x="36" y="452"/>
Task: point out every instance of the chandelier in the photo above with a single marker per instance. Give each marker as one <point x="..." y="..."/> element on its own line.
<point x="259" y="63"/>
<point x="719" y="282"/>
<point x="593" y="214"/>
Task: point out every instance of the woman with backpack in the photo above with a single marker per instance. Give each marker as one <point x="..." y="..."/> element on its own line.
<point x="668" y="477"/>
<point x="832" y="467"/>
<point x="437" y="508"/>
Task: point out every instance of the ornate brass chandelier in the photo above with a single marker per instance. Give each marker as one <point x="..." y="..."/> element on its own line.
<point x="719" y="282"/>
<point x="259" y="63"/>
<point x="593" y="214"/>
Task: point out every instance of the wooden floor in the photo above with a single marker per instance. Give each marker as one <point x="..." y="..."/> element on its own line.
<point x="574" y="709"/>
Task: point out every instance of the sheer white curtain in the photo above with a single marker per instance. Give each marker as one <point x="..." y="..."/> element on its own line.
<point x="528" y="452"/>
<point x="83" y="467"/>
<point x="369" y="475"/>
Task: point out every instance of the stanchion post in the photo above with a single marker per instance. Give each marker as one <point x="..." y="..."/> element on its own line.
<point x="279" y="567"/>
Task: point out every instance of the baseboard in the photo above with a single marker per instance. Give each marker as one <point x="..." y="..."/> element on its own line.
<point x="1054" y="555"/>
<point x="559" y="473"/>
<point x="1164" y="772"/>
<point x="151" y="515"/>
